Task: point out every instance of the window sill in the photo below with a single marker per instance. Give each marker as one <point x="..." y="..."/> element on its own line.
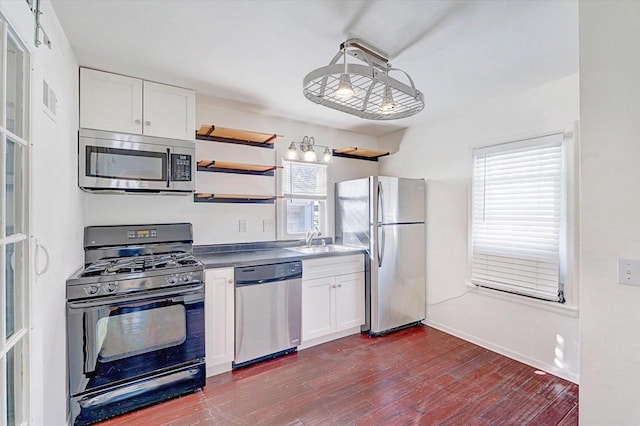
<point x="559" y="308"/>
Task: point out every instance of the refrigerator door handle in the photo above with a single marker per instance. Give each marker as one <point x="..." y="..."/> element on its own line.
<point x="380" y="203"/>
<point x="380" y="244"/>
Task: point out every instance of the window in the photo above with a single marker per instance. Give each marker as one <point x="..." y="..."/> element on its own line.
<point x="304" y="186"/>
<point x="14" y="244"/>
<point x="518" y="211"/>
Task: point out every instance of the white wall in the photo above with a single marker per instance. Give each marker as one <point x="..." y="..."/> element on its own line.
<point x="610" y="208"/>
<point x="218" y="223"/>
<point x="56" y="207"/>
<point x="441" y="152"/>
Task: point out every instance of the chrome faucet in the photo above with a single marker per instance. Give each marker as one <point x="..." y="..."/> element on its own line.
<point x="311" y="233"/>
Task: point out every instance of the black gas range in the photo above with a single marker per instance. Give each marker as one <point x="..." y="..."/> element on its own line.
<point x="135" y="320"/>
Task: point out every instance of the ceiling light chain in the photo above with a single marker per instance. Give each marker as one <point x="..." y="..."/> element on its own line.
<point x="366" y="91"/>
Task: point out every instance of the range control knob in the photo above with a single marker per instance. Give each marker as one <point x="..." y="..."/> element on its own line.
<point x="172" y="279"/>
<point x="186" y="278"/>
<point x="112" y="286"/>
<point x="92" y="289"/>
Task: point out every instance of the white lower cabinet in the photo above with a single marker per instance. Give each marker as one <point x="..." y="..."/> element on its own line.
<point x="349" y="301"/>
<point x="219" y="319"/>
<point x="318" y="307"/>
<point x="332" y="296"/>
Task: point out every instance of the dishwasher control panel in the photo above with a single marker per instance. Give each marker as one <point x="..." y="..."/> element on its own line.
<point x="262" y="274"/>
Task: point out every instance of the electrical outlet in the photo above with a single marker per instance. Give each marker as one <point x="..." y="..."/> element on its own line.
<point x="267" y="225"/>
<point x="629" y="271"/>
<point x="242" y="225"/>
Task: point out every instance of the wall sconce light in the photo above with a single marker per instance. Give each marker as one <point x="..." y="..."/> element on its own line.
<point x="292" y="152"/>
<point x="307" y="150"/>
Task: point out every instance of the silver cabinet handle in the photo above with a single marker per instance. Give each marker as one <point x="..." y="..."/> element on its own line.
<point x="43" y="270"/>
<point x="147" y="123"/>
<point x="339" y="285"/>
<point x="137" y="122"/>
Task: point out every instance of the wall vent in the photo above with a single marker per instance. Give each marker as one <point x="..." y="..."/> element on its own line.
<point x="49" y="98"/>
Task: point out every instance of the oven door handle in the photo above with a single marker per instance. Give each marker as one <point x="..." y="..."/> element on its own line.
<point x="107" y="301"/>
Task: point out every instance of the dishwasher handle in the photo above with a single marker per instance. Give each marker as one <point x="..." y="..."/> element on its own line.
<point x="241" y="283"/>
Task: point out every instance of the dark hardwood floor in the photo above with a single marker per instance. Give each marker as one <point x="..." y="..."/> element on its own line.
<point x="416" y="376"/>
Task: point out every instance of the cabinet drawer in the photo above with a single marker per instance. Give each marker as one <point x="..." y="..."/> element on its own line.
<point x="332" y="266"/>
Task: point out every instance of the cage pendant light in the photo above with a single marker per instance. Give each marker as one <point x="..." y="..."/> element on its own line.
<point x="366" y="91"/>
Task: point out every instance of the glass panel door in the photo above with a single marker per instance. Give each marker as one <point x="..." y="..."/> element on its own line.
<point x="14" y="243"/>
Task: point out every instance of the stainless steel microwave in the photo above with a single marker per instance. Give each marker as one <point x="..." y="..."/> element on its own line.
<point x="121" y="162"/>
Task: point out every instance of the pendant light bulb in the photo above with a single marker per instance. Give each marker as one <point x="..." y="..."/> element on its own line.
<point x="387" y="105"/>
<point x="292" y="152"/>
<point x="345" y="88"/>
<point x="326" y="156"/>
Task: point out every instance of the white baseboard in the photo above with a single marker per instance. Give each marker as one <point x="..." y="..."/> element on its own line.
<point x="536" y="363"/>
<point x="329" y="337"/>
<point x="218" y="369"/>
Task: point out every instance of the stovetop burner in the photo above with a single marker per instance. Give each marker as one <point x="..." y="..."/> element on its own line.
<point x="136" y="264"/>
<point x="133" y="259"/>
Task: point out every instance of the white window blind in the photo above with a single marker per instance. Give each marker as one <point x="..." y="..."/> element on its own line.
<point x="517" y="210"/>
<point x="304" y="180"/>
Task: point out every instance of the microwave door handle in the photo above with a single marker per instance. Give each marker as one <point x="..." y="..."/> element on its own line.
<point x="168" y="168"/>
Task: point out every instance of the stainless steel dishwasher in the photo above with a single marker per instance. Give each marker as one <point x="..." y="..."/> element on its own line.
<point x="268" y="311"/>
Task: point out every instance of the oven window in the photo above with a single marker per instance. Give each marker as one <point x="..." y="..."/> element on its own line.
<point x="126" y="164"/>
<point x="133" y="333"/>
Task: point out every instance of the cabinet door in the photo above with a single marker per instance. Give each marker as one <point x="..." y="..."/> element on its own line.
<point x="110" y="102"/>
<point x="349" y="301"/>
<point x="318" y="308"/>
<point x="169" y="111"/>
<point x="219" y="311"/>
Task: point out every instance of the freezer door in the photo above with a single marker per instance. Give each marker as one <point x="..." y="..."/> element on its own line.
<point x="352" y="213"/>
<point x="398" y="200"/>
<point x="398" y="277"/>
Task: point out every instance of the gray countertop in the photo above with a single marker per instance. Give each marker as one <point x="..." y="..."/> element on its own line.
<point x="260" y="256"/>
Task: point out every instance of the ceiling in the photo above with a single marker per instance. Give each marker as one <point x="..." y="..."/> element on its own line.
<point x="253" y="55"/>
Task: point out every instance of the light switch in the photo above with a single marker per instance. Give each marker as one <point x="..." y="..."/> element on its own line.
<point x="629" y="271"/>
<point x="242" y="225"/>
<point x="267" y="225"/>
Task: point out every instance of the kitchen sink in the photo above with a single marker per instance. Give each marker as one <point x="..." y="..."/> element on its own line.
<point x="320" y="249"/>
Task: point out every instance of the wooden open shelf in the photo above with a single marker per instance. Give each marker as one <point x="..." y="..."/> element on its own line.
<point x="359" y="153"/>
<point x="238" y="168"/>
<point x="233" y="198"/>
<point x="209" y="132"/>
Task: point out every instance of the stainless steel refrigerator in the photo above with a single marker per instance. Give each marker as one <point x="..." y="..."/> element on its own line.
<point x="386" y="216"/>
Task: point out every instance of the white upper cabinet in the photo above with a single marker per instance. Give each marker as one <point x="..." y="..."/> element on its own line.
<point x="125" y="104"/>
<point x="110" y="102"/>
<point x="169" y="111"/>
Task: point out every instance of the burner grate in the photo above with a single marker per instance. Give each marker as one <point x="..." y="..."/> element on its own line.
<point x="136" y="264"/>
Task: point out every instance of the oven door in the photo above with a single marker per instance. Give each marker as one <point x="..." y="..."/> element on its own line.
<point x="115" y="339"/>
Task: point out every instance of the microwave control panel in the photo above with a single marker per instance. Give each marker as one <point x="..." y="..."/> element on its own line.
<point x="180" y="167"/>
